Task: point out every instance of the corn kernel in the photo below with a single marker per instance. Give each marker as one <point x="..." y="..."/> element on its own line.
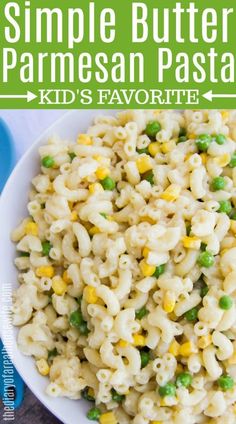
<point x="171" y="193"/>
<point x="145" y="252"/>
<point x="31" y="228"/>
<point x="73" y="216"/>
<point x="43" y="367"/>
<point x="162" y="402"/>
<point x="84" y="139"/>
<point x="169" y="301"/>
<point x="156" y="422"/>
<point x="186" y="349"/>
<point x="45" y="271"/>
<point x="122" y="343"/>
<point x="222" y="160"/>
<point x="144" y="164"/>
<point x="204" y="158"/>
<point x="154" y="148"/>
<point x="59" y="286"/>
<point x="66" y="278"/>
<point x="90" y="294"/>
<point x="108" y="418"/>
<point x="95" y="188"/>
<point x="191" y="136"/>
<point x="168" y="146"/>
<point x="234" y="409"/>
<point x="191" y="242"/>
<point x="102" y="173"/>
<point x="174" y="348"/>
<point x="146" y="269"/>
<point x="225" y="114"/>
<point x="232" y="359"/>
<point x="139" y="340"/>
<point x="94" y="230"/>
<point x="204" y="341"/>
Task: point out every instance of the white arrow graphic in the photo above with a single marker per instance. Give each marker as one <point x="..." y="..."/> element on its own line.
<point x="29" y="96"/>
<point x="210" y="96"/>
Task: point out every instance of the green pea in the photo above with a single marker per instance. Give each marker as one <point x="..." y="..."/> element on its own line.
<point x="225" y="207"/>
<point x="140" y="313"/>
<point x="206" y="259"/>
<point x="24" y="254"/>
<point x="203" y="142"/>
<point x="182" y="132"/>
<point x="149" y="176"/>
<point x="232" y="163"/>
<point x="76" y="318"/>
<point x="94" y="414"/>
<point x="145" y="150"/>
<point x="72" y="156"/>
<point x="83" y="328"/>
<point x="116" y="396"/>
<point x="86" y="396"/>
<point x="103" y="214"/>
<point x="225" y="382"/>
<point x="204" y="290"/>
<point x="184" y="379"/>
<point x="168" y="390"/>
<point x="191" y="315"/>
<point x="218" y="183"/>
<point x="226" y="302"/>
<point x="220" y="139"/>
<point x="159" y="271"/>
<point x="145" y="358"/>
<point x="182" y="139"/>
<point x="152" y="128"/>
<point x="48" y="161"/>
<point x="52" y="353"/>
<point x="108" y="183"/>
<point x="46" y="246"/>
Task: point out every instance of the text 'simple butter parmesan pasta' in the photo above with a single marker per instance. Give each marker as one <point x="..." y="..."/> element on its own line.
<point x="127" y="268"/>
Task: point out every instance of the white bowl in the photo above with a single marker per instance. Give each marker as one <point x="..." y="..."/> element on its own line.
<point x="12" y="210"/>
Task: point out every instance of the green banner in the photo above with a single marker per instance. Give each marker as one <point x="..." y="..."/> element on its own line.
<point x="116" y="54"/>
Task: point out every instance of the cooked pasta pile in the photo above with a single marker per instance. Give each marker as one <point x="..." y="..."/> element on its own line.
<point x="127" y="268"/>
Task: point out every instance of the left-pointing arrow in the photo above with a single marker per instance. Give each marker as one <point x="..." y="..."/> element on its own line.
<point x="29" y="96"/>
<point x="210" y="96"/>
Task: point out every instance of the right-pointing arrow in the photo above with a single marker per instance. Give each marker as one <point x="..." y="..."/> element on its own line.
<point x="29" y="96"/>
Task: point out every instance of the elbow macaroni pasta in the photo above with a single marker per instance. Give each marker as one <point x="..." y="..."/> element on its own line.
<point x="127" y="268"/>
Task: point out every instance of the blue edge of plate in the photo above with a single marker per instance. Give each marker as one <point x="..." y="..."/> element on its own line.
<point x="11" y="384"/>
<point x="7" y="153"/>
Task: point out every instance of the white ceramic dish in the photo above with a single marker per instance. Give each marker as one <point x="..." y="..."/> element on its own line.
<point x="12" y="209"/>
